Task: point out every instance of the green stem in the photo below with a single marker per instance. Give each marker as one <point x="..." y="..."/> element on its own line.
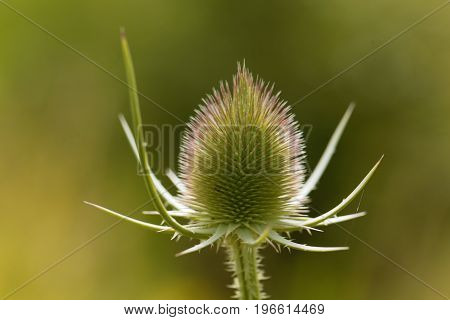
<point x="245" y="263"/>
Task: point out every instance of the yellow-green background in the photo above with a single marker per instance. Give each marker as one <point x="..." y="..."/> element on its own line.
<point x="61" y="142"/>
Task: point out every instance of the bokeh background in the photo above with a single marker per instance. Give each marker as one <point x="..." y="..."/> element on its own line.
<point x="61" y="142"/>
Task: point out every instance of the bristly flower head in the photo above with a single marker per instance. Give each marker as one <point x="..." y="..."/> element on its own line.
<point x="242" y="176"/>
<point x="241" y="157"/>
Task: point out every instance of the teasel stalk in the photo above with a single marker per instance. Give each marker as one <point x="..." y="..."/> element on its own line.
<point x="242" y="182"/>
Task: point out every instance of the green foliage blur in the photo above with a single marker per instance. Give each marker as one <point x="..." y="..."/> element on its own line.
<point x="62" y="142"/>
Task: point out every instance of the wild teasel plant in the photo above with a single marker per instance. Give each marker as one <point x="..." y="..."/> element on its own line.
<point x="242" y="177"/>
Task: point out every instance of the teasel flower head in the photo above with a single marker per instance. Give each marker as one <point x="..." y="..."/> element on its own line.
<point x="242" y="180"/>
<point x="241" y="159"/>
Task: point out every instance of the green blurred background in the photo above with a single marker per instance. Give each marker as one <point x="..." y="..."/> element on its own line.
<point x="62" y="143"/>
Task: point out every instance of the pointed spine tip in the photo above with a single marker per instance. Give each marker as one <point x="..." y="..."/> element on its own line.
<point x="122" y="33"/>
<point x="350" y="109"/>
<point x="379" y="161"/>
